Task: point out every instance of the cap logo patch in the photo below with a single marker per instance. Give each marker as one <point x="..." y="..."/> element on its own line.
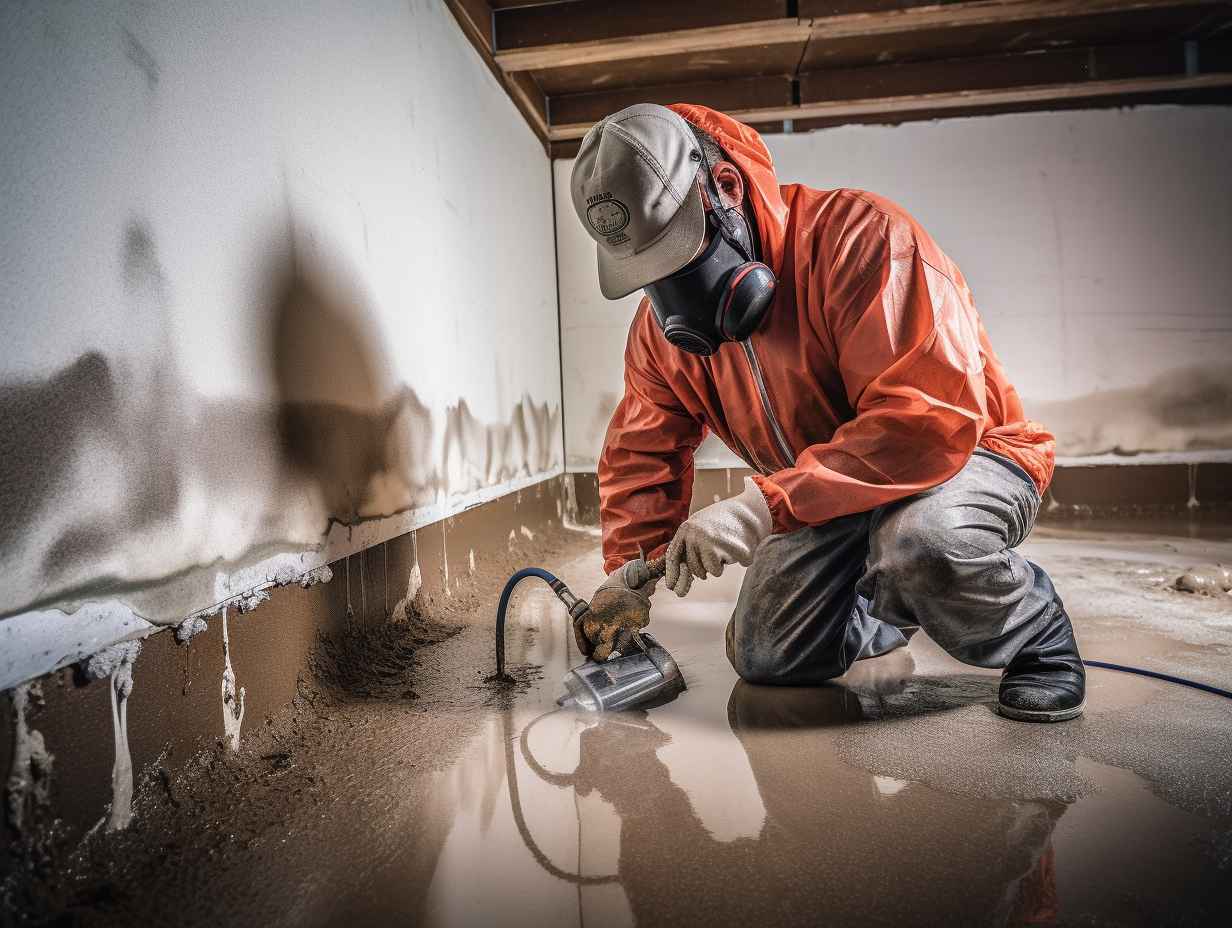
<point x="608" y="216"/>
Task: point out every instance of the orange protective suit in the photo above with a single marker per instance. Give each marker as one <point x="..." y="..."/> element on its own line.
<point x="879" y="378"/>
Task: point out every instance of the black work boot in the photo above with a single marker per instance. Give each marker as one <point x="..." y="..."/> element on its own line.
<point x="1045" y="682"/>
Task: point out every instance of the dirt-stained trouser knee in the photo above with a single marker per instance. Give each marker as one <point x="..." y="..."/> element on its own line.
<point x="815" y="600"/>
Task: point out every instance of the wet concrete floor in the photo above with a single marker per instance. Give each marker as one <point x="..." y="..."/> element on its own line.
<point x="895" y="797"/>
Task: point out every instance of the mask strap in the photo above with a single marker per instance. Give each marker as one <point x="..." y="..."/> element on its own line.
<point x="721" y="213"/>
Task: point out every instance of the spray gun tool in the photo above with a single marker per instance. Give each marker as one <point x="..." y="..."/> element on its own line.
<point x="645" y="676"/>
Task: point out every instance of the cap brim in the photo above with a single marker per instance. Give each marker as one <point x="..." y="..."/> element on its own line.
<point x="676" y="247"/>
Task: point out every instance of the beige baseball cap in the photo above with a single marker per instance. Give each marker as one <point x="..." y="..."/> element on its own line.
<point x="634" y="189"/>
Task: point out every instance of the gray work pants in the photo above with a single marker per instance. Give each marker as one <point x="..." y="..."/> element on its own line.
<point x="817" y="599"/>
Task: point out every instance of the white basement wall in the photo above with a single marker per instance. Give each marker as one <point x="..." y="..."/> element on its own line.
<point x="1098" y="244"/>
<point x="276" y="284"/>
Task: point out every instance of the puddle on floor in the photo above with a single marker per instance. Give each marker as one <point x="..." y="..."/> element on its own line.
<point x="899" y="798"/>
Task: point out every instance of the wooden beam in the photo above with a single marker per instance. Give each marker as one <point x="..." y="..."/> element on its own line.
<point x="820" y="28"/>
<point x="521" y="88"/>
<point x="974" y="13"/>
<point x="1069" y="65"/>
<point x="530" y="100"/>
<point x="475" y="18"/>
<point x="960" y="99"/>
<point x="677" y="42"/>
<point x="584" y="20"/>
<point x="736" y="94"/>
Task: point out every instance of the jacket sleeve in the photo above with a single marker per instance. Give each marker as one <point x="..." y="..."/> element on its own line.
<point x="646" y="469"/>
<point x="907" y="343"/>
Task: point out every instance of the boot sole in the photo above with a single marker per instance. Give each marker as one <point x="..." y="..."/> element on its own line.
<point x="1041" y="715"/>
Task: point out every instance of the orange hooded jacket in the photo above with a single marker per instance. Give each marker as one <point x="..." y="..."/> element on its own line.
<point x="871" y="378"/>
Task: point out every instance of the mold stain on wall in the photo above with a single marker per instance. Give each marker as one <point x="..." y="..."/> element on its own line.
<point x="1186" y="409"/>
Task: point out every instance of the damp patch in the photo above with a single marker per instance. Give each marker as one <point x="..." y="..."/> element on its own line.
<point x="376" y="662"/>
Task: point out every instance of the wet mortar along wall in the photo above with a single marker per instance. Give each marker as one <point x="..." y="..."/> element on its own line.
<point x="436" y="574"/>
<point x="278" y="285"/>
<point x="1095" y="242"/>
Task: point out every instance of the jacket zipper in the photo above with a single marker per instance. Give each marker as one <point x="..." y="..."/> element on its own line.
<point x="788" y="459"/>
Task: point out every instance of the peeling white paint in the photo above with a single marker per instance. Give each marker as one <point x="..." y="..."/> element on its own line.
<point x="323" y="574"/>
<point x="191" y="627"/>
<point x="36" y="643"/>
<point x="232" y="705"/>
<point x="527" y="533"/>
<point x="29" y="780"/>
<point x="470" y="559"/>
<point x="249" y="601"/>
<point x="116" y="664"/>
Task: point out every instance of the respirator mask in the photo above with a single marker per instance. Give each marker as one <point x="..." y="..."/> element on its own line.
<point x="721" y="295"/>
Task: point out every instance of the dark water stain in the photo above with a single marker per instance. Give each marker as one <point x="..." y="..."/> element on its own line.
<point x="45" y="423"/>
<point x="1184" y="409"/>
<point x="155" y="430"/>
<point x="76" y="544"/>
<point x="1194" y="397"/>
<point x="140" y="423"/>
<point x="141" y="268"/>
<point x="141" y="58"/>
<point x="338" y="425"/>
<point x="342" y="450"/>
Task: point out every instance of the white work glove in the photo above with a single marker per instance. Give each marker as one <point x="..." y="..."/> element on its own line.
<point x="726" y="532"/>
<point x="619" y="609"/>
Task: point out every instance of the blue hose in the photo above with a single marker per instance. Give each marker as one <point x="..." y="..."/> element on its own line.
<point x="503" y="605"/>
<point x="1142" y="672"/>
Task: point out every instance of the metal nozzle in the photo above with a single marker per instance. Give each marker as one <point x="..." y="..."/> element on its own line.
<point x="575" y="606"/>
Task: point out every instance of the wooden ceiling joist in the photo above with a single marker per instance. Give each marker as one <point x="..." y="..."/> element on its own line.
<point x="677" y="42"/>
<point x="571" y="52"/>
<point x="812" y="63"/>
<point x="956" y="100"/>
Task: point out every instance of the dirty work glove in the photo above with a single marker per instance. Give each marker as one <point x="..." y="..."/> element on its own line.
<point x="619" y="608"/>
<point x="726" y="532"/>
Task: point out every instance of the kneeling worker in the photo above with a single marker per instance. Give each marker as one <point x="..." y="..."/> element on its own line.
<point x="829" y="342"/>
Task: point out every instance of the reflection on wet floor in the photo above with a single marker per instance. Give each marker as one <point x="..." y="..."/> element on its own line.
<point x="897" y="796"/>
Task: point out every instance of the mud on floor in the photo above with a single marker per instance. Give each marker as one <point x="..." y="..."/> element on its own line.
<point x="237" y="836"/>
